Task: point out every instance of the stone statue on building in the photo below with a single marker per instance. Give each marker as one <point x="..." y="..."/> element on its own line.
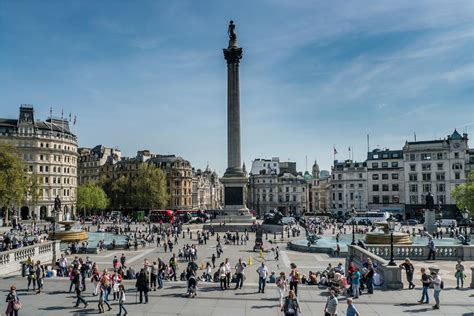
<point x="57" y="204"/>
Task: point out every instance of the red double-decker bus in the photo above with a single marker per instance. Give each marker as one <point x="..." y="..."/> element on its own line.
<point x="161" y="216"/>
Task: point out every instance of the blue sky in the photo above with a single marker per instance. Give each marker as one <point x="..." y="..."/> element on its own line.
<point x="151" y="74"/>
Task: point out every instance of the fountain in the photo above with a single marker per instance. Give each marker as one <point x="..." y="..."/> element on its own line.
<point x="64" y="229"/>
<point x="383" y="237"/>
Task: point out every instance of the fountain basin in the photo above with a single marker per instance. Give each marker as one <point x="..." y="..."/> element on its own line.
<point x="67" y="233"/>
<point x="381" y="238"/>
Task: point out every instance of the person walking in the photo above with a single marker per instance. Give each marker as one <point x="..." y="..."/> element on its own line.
<point x="409" y="269"/>
<point x="122" y="300"/>
<point x="294" y="278"/>
<point x="291" y="306"/>
<point x="262" y="277"/>
<point x="161" y="273"/>
<point x="282" y="287"/>
<point x="240" y="270"/>
<point x="213" y="259"/>
<point x="426" y="281"/>
<point x="142" y="285"/>
<point x="330" y="309"/>
<point x="31" y="277"/>
<point x="39" y="272"/>
<point x="228" y="272"/>
<point x="173" y="264"/>
<point x="13" y="302"/>
<point x="351" y="309"/>
<point x="356" y="283"/>
<point x="459" y="274"/>
<point x="431" y="249"/>
<point x="78" y="288"/>
<point x="437" y="287"/>
<point x="277" y="253"/>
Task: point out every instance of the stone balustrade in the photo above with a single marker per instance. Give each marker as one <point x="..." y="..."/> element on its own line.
<point x="401" y="252"/>
<point x="10" y="261"/>
<point x="391" y="275"/>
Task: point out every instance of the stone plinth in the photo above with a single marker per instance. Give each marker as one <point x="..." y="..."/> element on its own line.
<point x="430" y="219"/>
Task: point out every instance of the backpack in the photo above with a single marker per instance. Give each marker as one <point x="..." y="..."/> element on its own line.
<point x="441" y="285"/>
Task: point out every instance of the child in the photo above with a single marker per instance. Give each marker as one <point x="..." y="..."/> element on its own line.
<point x="122" y="300"/>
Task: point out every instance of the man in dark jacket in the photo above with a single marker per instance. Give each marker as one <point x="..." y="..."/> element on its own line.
<point x="143" y="282"/>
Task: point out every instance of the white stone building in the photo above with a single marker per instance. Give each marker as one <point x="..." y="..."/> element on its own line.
<point x="386" y="181"/>
<point x="348" y="186"/>
<point x="435" y="166"/>
<point x="206" y="190"/>
<point x="49" y="150"/>
<point x="92" y="159"/>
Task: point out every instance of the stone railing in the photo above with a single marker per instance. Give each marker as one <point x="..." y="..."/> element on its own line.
<point x="391" y="275"/>
<point x="10" y="261"/>
<point x="401" y="252"/>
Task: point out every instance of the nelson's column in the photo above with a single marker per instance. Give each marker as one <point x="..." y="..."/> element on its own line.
<point x="234" y="179"/>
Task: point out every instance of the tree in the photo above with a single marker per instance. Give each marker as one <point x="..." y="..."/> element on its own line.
<point x="90" y="196"/>
<point x="463" y="194"/>
<point x="148" y="188"/>
<point x="32" y="189"/>
<point x="13" y="182"/>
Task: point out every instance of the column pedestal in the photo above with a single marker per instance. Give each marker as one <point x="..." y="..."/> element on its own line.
<point x="430" y="219"/>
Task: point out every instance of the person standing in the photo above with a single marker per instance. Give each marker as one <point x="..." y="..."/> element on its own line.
<point x="154" y="275"/>
<point x="161" y="273"/>
<point x="277" y="253"/>
<point x="228" y="272"/>
<point x="262" y="277"/>
<point x="222" y="276"/>
<point x="13" y="302"/>
<point x="369" y="277"/>
<point x="459" y="274"/>
<point x="437" y="286"/>
<point x="291" y="307"/>
<point x="122" y="300"/>
<point x="409" y="269"/>
<point x="173" y="264"/>
<point x="356" y="283"/>
<point x="143" y="285"/>
<point x="351" y="310"/>
<point x="331" y="304"/>
<point x="213" y="259"/>
<point x="294" y="278"/>
<point x="240" y="270"/>
<point x="426" y="281"/>
<point x="431" y="249"/>
<point x="39" y="271"/>
<point x="282" y="287"/>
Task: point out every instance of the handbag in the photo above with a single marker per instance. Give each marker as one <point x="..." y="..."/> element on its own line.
<point x="16" y="305"/>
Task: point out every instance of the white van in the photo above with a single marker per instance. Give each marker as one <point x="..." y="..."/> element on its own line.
<point x="446" y="222"/>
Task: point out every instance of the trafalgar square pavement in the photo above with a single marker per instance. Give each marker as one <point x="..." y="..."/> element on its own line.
<point x="210" y="300"/>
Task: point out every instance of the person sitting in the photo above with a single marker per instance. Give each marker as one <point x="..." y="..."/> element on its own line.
<point x="312" y="279"/>
<point x="272" y="278"/>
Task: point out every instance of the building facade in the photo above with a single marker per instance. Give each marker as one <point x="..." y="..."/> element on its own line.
<point x="91" y="161"/>
<point x="49" y="150"/>
<point x="386" y="181"/>
<point x="206" y="190"/>
<point x="435" y="167"/>
<point x="348" y="186"/>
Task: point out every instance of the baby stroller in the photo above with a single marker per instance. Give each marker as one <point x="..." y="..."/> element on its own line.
<point x="192" y="283"/>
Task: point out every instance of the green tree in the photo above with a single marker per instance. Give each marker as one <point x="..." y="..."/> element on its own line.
<point x="463" y="194"/>
<point x="13" y="182"/>
<point x="32" y="189"/>
<point x="91" y="196"/>
<point x="148" y="188"/>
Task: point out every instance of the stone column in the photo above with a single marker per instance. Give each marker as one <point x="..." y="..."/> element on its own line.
<point x="472" y="277"/>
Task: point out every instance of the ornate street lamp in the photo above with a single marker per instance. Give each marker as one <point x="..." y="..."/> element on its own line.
<point x="465" y="215"/>
<point x="391" y="226"/>
<point x="353" y="227"/>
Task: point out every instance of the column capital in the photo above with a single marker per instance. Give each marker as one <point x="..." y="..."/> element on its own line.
<point x="233" y="55"/>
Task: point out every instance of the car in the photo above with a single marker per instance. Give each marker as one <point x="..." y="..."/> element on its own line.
<point x="365" y="222"/>
<point x="446" y="222"/>
<point x="410" y="222"/>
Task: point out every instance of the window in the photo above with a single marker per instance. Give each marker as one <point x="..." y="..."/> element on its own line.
<point x="384" y="164"/>
<point x="412" y="167"/>
<point x="394" y="164"/>
<point x="426" y="187"/>
<point x="412" y="157"/>
<point x="352" y="185"/>
<point x="352" y="196"/>
<point x="339" y="186"/>
<point x="456" y="155"/>
<point x="457" y="166"/>
<point x="339" y="176"/>
<point x="440" y="166"/>
<point x="385" y="187"/>
<point x="360" y="175"/>
<point x="384" y="155"/>
<point x="360" y="185"/>
<point x="287" y="189"/>
<point x="375" y="176"/>
<point x="439" y="156"/>
<point x="457" y="176"/>
<point x="46" y="180"/>
<point x="395" y="187"/>
<point x="426" y="167"/>
<point x="413" y="177"/>
<point x="339" y="196"/>
<point x="440" y="177"/>
<point x="385" y="199"/>
<point x="41" y="169"/>
<point x="413" y="188"/>
<point x="413" y="199"/>
<point x="395" y="199"/>
<point x="376" y="199"/>
<point x="440" y="187"/>
<point x="395" y="176"/>
<point x="426" y="176"/>
<point x="426" y="156"/>
<point x="375" y="165"/>
<point x="441" y="199"/>
<point x="375" y="187"/>
<point x="384" y="176"/>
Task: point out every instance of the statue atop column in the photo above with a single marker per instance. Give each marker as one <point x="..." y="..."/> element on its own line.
<point x="429" y="201"/>
<point x="232" y="34"/>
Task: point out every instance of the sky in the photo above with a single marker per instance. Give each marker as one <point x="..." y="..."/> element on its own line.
<point x="315" y="74"/>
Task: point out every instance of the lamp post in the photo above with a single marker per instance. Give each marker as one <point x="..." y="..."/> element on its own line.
<point x="353" y="227"/>
<point x="465" y="216"/>
<point x="391" y="226"/>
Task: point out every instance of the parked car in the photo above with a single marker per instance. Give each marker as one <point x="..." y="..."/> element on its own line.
<point x="446" y="222"/>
